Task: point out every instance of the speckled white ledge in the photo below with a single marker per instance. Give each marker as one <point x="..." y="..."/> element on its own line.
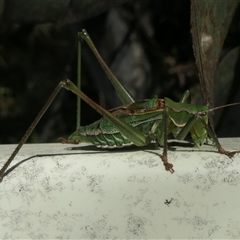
<point x="87" y="193"/>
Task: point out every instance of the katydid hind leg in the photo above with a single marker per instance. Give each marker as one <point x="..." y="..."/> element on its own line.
<point x="134" y="135"/>
<point x="123" y="94"/>
<point x="29" y="130"/>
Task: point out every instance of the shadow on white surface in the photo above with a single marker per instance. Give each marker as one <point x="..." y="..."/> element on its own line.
<point x="87" y="193"/>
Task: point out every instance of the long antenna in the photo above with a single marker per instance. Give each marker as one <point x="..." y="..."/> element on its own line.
<point x="223" y="106"/>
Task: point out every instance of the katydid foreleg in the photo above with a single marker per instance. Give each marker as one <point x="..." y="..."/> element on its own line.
<point x="216" y="142"/>
<point x="190" y="118"/>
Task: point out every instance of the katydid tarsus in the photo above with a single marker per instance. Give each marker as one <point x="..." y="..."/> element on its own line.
<point x="134" y="123"/>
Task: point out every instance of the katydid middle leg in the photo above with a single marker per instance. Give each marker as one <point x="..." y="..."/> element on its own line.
<point x="162" y="136"/>
<point x="162" y="139"/>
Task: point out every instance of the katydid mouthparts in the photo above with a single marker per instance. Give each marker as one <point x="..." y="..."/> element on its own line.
<point x="135" y="122"/>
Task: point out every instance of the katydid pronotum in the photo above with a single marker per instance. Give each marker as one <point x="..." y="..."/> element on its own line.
<point x="134" y="123"/>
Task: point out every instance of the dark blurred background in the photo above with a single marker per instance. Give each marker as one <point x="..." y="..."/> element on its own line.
<point x="146" y="43"/>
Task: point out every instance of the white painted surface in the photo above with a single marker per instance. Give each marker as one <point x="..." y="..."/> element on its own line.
<point x="89" y="193"/>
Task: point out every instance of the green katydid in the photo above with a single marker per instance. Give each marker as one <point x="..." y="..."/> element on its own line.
<point x="134" y="123"/>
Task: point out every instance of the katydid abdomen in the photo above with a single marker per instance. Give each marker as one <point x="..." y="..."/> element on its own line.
<point x="104" y="134"/>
